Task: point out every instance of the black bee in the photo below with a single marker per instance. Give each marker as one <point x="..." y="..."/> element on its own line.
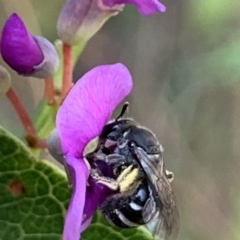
<point x="144" y="194"/>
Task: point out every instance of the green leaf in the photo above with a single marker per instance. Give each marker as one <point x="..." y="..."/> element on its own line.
<point x="33" y="194"/>
<point x="101" y="229"/>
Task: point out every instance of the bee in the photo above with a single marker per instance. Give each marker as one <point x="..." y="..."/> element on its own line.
<point x="143" y="195"/>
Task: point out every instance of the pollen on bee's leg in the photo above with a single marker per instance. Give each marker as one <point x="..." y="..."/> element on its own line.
<point x="124" y="173"/>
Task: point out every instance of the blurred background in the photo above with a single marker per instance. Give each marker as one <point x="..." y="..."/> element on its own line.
<point x="186" y="69"/>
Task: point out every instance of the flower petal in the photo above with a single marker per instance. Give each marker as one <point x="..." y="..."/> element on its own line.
<point x="73" y="220"/>
<point x="96" y="194"/>
<point x="18" y="47"/>
<point x="85" y="224"/>
<point x="145" y="7"/>
<point x="89" y="105"/>
<point x="80" y="20"/>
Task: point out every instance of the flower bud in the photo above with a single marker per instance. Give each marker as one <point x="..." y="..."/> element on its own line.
<point x="5" y="80"/>
<point x="80" y="20"/>
<point x="25" y="53"/>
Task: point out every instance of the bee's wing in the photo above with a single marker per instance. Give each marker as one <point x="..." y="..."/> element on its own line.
<point x="165" y="222"/>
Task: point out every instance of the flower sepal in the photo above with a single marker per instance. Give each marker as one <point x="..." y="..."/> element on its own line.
<point x="50" y="62"/>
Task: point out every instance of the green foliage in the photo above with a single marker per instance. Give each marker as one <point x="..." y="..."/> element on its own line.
<point x="33" y="194"/>
<point x="209" y="14"/>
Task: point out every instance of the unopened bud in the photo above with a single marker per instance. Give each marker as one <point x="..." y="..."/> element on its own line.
<point x="25" y="53"/>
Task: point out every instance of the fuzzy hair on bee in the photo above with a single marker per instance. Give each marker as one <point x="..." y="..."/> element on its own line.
<point x="143" y="195"/>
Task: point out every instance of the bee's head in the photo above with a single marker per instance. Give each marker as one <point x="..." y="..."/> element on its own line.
<point x="116" y="129"/>
<point x="120" y="134"/>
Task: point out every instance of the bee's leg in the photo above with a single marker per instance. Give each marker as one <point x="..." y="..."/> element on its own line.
<point x="111" y="158"/>
<point x="94" y="156"/>
<point x="110" y="182"/>
<point x="115" y="158"/>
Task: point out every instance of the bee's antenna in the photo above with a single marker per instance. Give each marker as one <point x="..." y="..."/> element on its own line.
<point x="124" y="110"/>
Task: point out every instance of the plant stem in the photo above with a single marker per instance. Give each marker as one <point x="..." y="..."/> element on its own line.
<point x="21" y="111"/>
<point x="49" y="90"/>
<point x="35" y="142"/>
<point x="32" y="138"/>
<point x="67" y="70"/>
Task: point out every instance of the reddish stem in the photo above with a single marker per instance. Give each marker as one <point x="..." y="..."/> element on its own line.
<point x="67" y="70"/>
<point x="32" y="138"/>
<point x="49" y="90"/>
<point x="35" y="142"/>
<point x="21" y="111"/>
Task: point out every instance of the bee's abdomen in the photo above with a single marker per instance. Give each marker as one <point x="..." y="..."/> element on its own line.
<point x="126" y="211"/>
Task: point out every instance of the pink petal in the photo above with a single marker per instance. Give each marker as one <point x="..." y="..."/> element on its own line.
<point x="89" y="105"/>
<point x="145" y="7"/>
<point x="73" y="219"/>
<point x="85" y="224"/>
<point x="96" y="194"/>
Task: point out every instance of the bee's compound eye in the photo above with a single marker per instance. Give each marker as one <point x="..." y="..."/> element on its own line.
<point x="106" y="151"/>
<point x="110" y="143"/>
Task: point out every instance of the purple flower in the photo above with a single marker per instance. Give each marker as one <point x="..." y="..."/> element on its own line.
<point x="145" y="7"/>
<point x="81" y="118"/>
<point x="25" y="53"/>
<point x="79" y="20"/>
